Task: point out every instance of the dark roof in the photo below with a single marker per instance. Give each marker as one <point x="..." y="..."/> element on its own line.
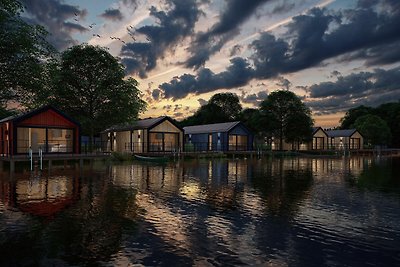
<point x="341" y="133"/>
<point x="9" y="118"/>
<point x="210" y="128"/>
<point x="32" y="113"/>
<point x="140" y="124"/>
<point x="315" y="129"/>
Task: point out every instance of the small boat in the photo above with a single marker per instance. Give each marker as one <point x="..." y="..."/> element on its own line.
<point x="153" y="159"/>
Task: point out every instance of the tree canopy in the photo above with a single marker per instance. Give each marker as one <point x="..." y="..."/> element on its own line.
<point x="90" y="86"/>
<point x="23" y="52"/>
<point x="352" y="114"/>
<point x="290" y="119"/>
<point x="374" y="129"/>
<point x="222" y="107"/>
<point x="228" y="103"/>
<point x="389" y="112"/>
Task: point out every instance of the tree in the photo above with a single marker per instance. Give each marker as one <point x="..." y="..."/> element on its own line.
<point x="289" y="118"/>
<point x="374" y="129"/>
<point x="23" y="51"/>
<point x="390" y="112"/>
<point x="222" y="107"/>
<point x="353" y="114"/>
<point x="90" y="87"/>
<point x="229" y="104"/>
<point x="209" y="113"/>
<point x="4" y="112"/>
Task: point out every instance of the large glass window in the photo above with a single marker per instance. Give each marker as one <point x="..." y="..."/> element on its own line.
<point x="237" y="142"/>
<point x="171" y="141"/>
<point x="163" y="141"/>
<point x="318" y="143"/>
<point x="232" y="142"/>
<point x="355" y="143"/>
<point x="241" y="142"/>
<point x="58" y="140"/>
<point x="156" y="142"/>
<point x="34" y="138"/>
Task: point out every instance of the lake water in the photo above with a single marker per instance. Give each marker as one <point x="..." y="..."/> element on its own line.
<point x="269" y="212"/>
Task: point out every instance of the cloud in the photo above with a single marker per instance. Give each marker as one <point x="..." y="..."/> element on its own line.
<point x="237" y="74"/>
<point x="156" y="93"/>
<point x="173" y="26"/>
<point x="284" y="83"/>
<point x="309" y="40"/>
<point x="254" y="99"/>
<point x="74" y="27"/>
<point x="236" y="49"/>
<point x="112" y="14"/>
<point x="283" y="7"/>
<point x="364" y="88"/>
<point x="208" y="43"/>
<point x="53" y="15"/>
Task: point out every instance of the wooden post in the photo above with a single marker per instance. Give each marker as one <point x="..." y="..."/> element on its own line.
<point x="81" y="162"/>
<point x="1" y="165"/>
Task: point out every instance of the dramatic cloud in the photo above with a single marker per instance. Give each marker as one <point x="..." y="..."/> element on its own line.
<point x="112" y="14"/>
<point x="321" y="35"/>
<point x="364" y="88"/>
<point x="309" y="40"/>
<point x="210" y="42"/>
<point x="173" y="26"/>
<point x="238" y="74"/>
<point x="53" y="15"/>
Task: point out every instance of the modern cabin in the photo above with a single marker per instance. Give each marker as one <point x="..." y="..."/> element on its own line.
<point x="345" y="139"/>
<point x="319" y="142"/>
<point x="228" y="136"/>
<point x="46" y="129"/>
<point x="144" y="136"/>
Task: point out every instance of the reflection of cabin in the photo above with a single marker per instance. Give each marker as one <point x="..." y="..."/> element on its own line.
<point x="46" y="128"/>
<point x="149" y="135"/>
<point x="345" y="139"/>
<point x="40" y="196"/>
<point x="228" y="136"/>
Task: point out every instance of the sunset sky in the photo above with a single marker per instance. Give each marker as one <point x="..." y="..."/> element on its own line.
<point x="335" y="55"/>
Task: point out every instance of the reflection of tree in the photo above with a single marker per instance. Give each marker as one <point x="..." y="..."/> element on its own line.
<point x="92" y="230"/>
<point x="379" y="175"/>
<point x="283" y="183"/>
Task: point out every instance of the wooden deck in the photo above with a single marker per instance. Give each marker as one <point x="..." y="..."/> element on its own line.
<point x="50" y="158"/>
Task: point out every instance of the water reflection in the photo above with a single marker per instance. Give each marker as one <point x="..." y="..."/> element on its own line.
<point x="297" y="211"/>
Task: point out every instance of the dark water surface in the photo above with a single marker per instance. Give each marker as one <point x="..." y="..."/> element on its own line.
<point x="280" y="212"/>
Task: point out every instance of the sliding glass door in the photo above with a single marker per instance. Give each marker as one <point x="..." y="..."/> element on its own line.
<point x="50" y="140"/>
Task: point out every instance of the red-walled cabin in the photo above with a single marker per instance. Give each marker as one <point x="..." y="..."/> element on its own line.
<point x="46" y="128"/>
